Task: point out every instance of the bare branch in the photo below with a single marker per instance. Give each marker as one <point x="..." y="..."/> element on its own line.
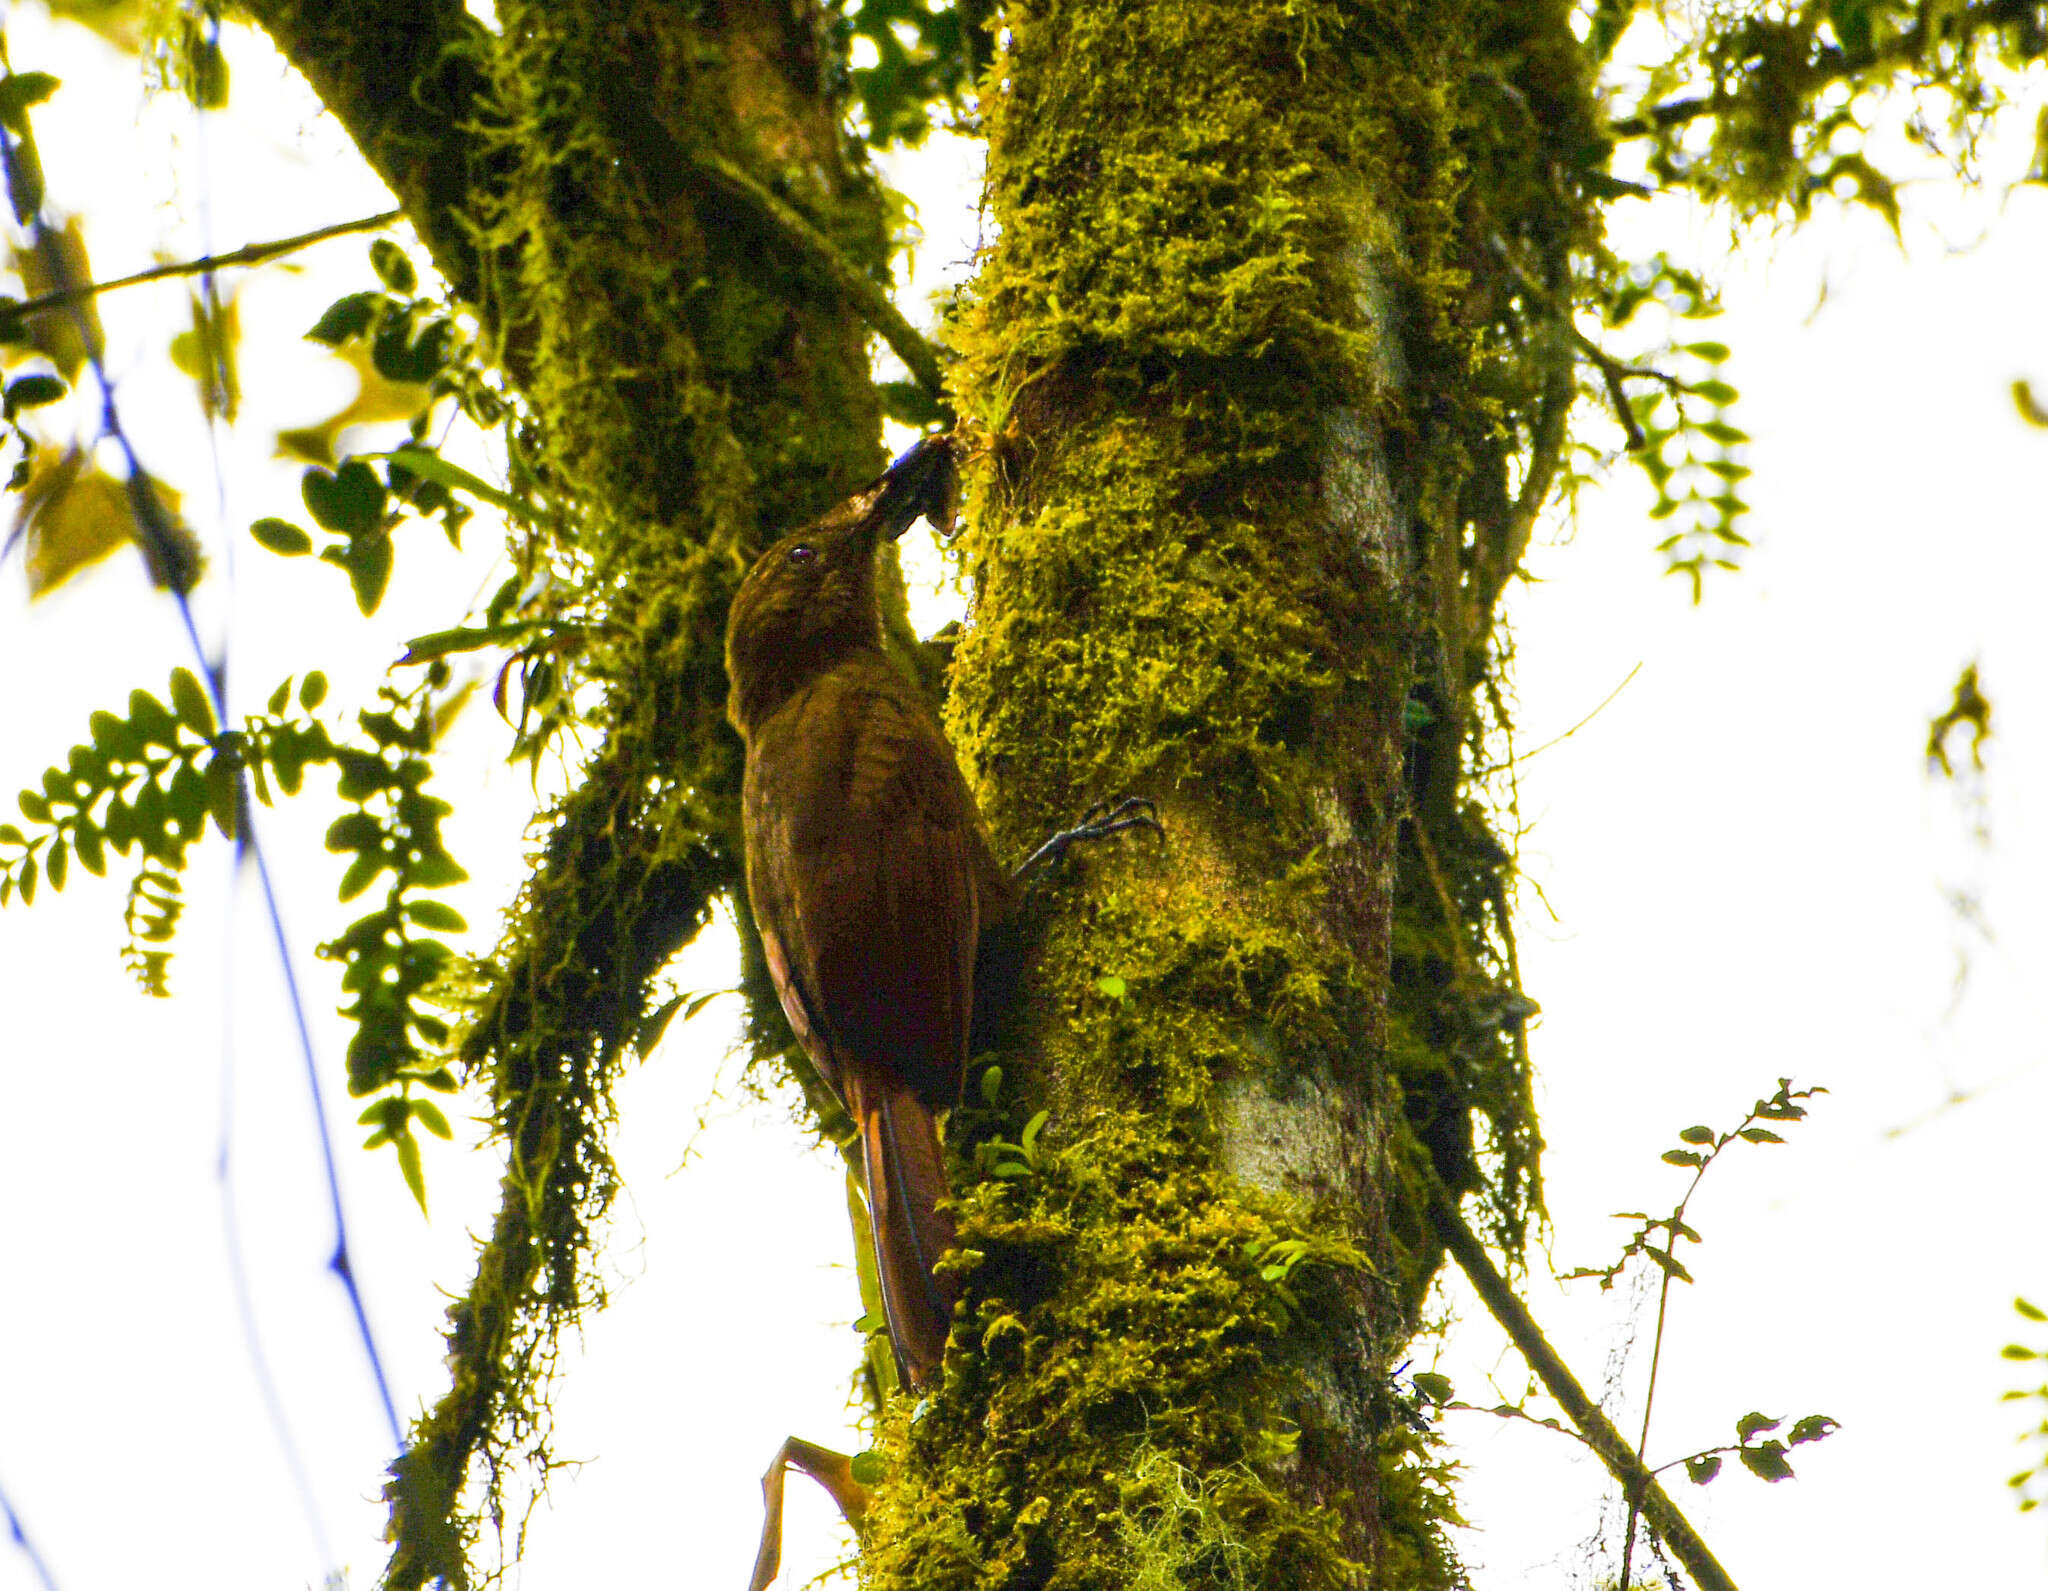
<point x="248" y="254"/>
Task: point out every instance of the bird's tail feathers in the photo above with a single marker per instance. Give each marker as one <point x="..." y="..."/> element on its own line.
<point x="906" y="1176"/>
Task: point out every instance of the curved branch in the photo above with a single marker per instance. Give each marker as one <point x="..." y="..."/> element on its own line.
<point x="864" y="295"/>
<point x="404" y="78"/>
<point x="658" y="156"/>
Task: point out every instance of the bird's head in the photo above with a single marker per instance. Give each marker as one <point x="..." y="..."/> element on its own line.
<point x="810" y="600"/>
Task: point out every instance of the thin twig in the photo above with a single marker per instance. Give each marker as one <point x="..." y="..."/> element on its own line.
<point x="1557" y="740"/>
<point x="248" y="254"/>
<point x="1613" y="371"/>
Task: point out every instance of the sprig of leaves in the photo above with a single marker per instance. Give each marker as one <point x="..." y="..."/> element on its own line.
<point x="391" y="959"/>
<point x="412" y="345"/>
<point x="2032" y="1482"/>
<point x="1762" y="1454"/>
<point x="149" y="782"/>
<point x="1657" y="1239"/>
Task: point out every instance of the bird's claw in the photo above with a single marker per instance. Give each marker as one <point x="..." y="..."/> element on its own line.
<point x="1099" y="822"/>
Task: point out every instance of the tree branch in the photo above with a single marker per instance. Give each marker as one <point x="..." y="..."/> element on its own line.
<point x="1834" y="64"/>
<point x="248" y="254"/>
<point x="1638" y="1483"/>
<point x="405" y="80"/>
<point x="864" y="295"/>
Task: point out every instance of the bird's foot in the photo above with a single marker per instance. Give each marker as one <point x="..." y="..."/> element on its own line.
<point x="1099" y="822"/>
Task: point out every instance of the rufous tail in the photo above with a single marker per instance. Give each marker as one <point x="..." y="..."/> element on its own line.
<point x="906" y="1176"/>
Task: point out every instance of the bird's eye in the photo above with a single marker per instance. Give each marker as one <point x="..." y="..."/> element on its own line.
<point x="802" y="552"/>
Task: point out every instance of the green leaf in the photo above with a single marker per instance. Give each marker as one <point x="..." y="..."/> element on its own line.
<point x="1814" y="1428"/>
<point x="1750" y="1424"/>
<point x="114" y="738"/>
<point x="368" y="561"/>
<point x="57" y="863"/>
<point x="1766" y="1462"/>
<point x="27" y="880"/>
<point x="393" y="269"/>
<point x="434" y="868"/>
<point x="349" y="502"/>
<point x="1669" y="1265"/>
<point x="10" y="835"/>
<point x="463" y="638"/>
<point x="430" y="1117"/>
<point x="1697" y="1135"/>
<point x="282" y="537"/>
<point x="18" y="92"/>
<point x="991" y="1084"/>
<point x="186" y="800"/>
<point x="436" y="916"/>
<point x="151" y="720"/>
<point x="430" y="466"/>
<point x="2031" y="1311"/>
<point x="345" y="318"/>
<point x="1703" y="1469"/>
<point x="1760" y="1135"/>
<point x="221" y="795"/>
<point x="1683" y="1157"/>
<point x="355" y="831"/>
<point x="189" y="700"/>
<point x="32" y="392"/>
<point x="358" y="876"/>
<point x="1432" y="1387"/>
<point x="1112" y="986"/>
<point x="312" y="690"/>
<point x="25" y="195"/>
<point x="869" y="1468"/>
<point x="87" y="840"/>
<point x="408" y="1148"/>
<point x="1029" y="1142"/>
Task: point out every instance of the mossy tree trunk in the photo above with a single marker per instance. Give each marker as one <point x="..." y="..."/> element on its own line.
<point x="1199" y="577"/>
<point x="1255" y="401"/>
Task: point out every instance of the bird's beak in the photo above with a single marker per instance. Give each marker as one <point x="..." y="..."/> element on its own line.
<point x="923" y="483"/>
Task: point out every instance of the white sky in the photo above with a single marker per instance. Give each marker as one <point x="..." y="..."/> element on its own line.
<point x="1745" y="860"/>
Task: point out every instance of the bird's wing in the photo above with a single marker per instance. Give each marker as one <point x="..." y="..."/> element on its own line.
<point x="892" y="911"/>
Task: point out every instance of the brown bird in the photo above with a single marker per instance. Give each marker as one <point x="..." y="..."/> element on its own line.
<point x="869" y="870"/>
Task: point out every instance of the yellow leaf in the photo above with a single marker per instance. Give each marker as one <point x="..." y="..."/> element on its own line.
<point x="206" y="353"/>
<point x="73" y="514"/>
<point x="65" y="335"/>
<point x="119" y="22"/>
<point x="377" y="400"/>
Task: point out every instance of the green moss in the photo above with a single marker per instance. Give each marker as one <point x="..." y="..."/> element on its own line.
<point x="1120" y="1309"/>
<point x="1235" y="239"/>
